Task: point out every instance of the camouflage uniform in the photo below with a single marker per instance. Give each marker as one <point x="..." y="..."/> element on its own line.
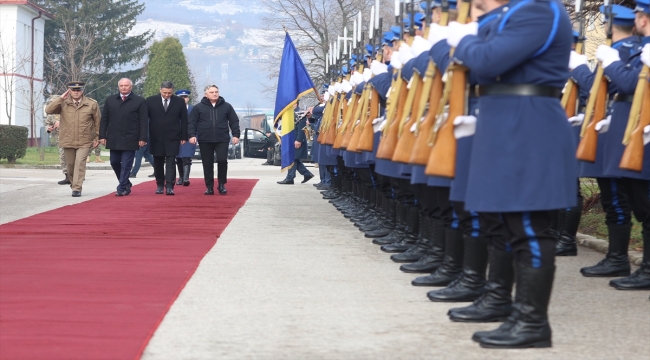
<point x="50" y="120"/>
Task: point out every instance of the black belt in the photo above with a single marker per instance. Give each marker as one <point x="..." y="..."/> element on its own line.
<point x="623" y="98"/>
<point x="518" y="89"/>
<point x="581" y="109"/>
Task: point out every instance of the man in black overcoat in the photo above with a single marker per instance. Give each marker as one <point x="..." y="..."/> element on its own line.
<point x="167" y="132"/>
<point x="123" y="129"/>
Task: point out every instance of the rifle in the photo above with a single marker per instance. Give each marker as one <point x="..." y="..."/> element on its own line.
<point x="571" y="90"/>
<point x="596" y="105"/>
<point x="639" y="118"/>
<point x="421" y="148"/>
<point x="355" y="132"/>
<point x="442" y="159"/>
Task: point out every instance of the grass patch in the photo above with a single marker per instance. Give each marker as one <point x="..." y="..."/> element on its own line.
<point x="33" y="157"/>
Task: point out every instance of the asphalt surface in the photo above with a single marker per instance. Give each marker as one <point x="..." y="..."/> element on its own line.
<point x="290" y="278"/>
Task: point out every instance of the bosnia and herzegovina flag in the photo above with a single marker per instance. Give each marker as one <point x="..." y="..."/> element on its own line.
<point x="293" y="82"/>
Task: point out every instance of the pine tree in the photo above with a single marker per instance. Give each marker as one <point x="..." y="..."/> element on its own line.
<point x="166" y="63"/>
<point x="88" y="42"/>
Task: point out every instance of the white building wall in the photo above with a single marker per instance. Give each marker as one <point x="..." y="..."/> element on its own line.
<point x="15" y="66"/>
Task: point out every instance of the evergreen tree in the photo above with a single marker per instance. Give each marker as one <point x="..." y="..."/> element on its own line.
<point x="88" y="42"/>
<point x="166" y="63"/>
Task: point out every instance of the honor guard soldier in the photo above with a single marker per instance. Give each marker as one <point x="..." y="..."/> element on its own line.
<point x="522" y="161"/>
<point x="186" y="151"/>
<point x="635" y="186"/>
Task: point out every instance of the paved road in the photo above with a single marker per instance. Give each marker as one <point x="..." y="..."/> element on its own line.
<point x="317" y="289"/>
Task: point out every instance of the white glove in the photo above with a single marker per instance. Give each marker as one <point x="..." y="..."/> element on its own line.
<point x="576" y="60"/>
<point x="338" y="88"/>
<point x="394" y="61"/>
<point x="345" y="86"/>
<point x="326" y="96"/>
<point x="607" y="55"/>
<point x="378" y="120"/>
<point x="415" y="124"/>
<point x="331" y="90"/>
<point x="577" y="120"/>
<point x="419" y="46"/>
<point x="379" y="126"/>
<point x="377" y="68"/>
<point x="367" y="73"/>
<point x="437" y="33"/>
<point x="603" y="125"/>
<point x="404" y="53"/>
<point x="645" y="55"/>
<point x="646" y="135"/>
<point x="458" y="31"/>
<point x="464" y="126"/>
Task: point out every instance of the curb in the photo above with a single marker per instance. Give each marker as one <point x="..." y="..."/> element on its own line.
<point x="588" y="241"/>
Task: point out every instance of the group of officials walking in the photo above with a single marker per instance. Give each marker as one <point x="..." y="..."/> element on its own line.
<point x="166" y="123"/>
<point x="513" y="203"/>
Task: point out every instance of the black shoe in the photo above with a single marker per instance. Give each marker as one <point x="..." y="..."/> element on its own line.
<point x="119" y="193"/>
<point x="400" y="246"/>
<point x="179" y="181"/>
<point x="616" y="262"/>
<point x="568" y="223"/>
<point x="160" y="189"/>
<point x="639" y="280"/>
<point x="307" y="178"/>
<point x="127" y="191"/>
<point x="64" y="182"/>
<point x="452" y="265"/>
<point x="286" y="182"/>
<point x="222" y="189"/>
<point x="425" y="265"/>
<point x="267" y="163"/>
<point x="152" y="175"/>
<point x="169" y="191"/>
<point x="394" y="236"/>
<point x="131" y="176"/>
<point x="209" y="191"/>
<point x="528" y="325"/>
<point x="76" y="193"/>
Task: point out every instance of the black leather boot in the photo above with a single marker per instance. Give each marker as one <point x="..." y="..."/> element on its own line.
<point x="496" y="302"/>
<point x="451" y="266"/>
<point x="436" y="252"/>
<point x="179" y="166"/>
<point x="616" y="262"/>
<point x="640" y="279"/>
<point x="378" y="217"/>
<point x="528" y="326"/>
<point x="411" y="230"/>
<point x="389" y="224"/>
<point x="186" y="174"/>
<point x="469" y="286"/>
<point x="421" y="247"/>
<point x="566" y="243"/>
<point x="398" y="233"/>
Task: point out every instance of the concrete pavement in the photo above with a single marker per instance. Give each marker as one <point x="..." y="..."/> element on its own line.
<point x="317" y="289"/>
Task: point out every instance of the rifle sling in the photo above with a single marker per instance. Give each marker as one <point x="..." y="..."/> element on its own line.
<point x="518" y="90"/>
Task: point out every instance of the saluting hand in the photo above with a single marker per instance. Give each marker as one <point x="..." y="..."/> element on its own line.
<point x="65" y="94"/>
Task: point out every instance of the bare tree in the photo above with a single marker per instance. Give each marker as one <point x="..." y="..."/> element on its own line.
<point x="250" y="108"/>
<point x="14" y="64"/>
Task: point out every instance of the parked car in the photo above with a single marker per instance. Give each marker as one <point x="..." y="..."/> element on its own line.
<point x="254" y="143"/>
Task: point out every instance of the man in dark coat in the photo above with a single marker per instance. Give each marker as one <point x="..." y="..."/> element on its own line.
<point x="301" y="153"/>
<point x="123" y="130"/>
<point x="167" y="132"/>
<point x="210" y="124"/>
<point x="186" y="151"/>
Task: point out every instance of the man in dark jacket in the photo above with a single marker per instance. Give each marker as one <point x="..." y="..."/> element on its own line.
<point x="213" y="118"/>
<point x="123" y="130"/>
<point x="301" y="153"/>
<point x="167" y="132"/>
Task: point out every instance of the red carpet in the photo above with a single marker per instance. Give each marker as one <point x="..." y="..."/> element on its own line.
<point x="94" y="280"/>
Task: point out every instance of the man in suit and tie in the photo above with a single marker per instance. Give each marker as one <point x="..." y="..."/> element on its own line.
<point x="167" y="131"/>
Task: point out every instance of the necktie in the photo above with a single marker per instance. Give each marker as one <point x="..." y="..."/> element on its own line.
<point x="123" y="98"/>
<point x="165" y="105"/>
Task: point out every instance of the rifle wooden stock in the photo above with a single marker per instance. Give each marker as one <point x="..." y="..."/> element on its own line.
<point x="421" y="148"/>
<point x="367" y="139"/>
<point x="589" y="142"/>
<point x="330" y="137"/>
<point x="347" y="114"/>
<point x="327" y="113"/>
<point x="571" y="91"/>
<point x="389" y="137"/>
<point x="348" y="130"/>
<point x="357" y="127"/>
<point x="339" y="124"/>
<point x="405" y="137"/>
<point x="639" y="118"/>
<point x="442" y="160"/>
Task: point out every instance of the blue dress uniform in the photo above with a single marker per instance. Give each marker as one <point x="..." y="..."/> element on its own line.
<point x="522" y="162"/>
<point x="623" y="74"/>
<point x="185" y="151"/>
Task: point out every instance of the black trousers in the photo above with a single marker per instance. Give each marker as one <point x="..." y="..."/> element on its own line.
<point x="638" y="192"/>
<point x="527" y="234"/>
<point x="485" y="225"/>
<point x="164" y="169"/>
<point x="183" y="161"/>
<point x="207" y="158"/>
<point x="614" y="200"/>
<point x="402" y="191"/>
